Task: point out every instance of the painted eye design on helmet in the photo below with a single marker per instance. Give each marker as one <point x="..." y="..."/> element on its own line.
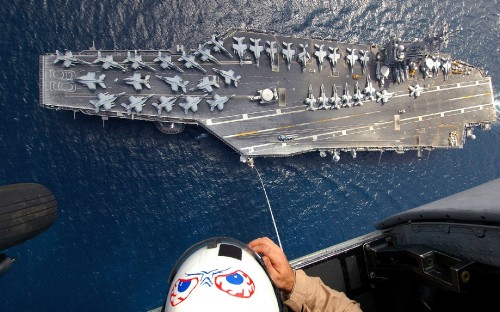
<point x="182" y="289"/>
<point x="237" y="284"/>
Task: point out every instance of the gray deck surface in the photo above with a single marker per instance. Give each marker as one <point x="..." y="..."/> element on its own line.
<point x="252" y="128"/>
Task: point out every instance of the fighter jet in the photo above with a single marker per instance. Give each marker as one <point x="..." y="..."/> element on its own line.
<point x="165" y="103"/>
<point x="288" y="53"/>
<point x="303" y="57"/>
<point x="310" y="100"/>
<point x="334" y="56"/>
<point x="228" y="75"/>
<point x="166" y="62"/>
<point x="335" y="99"/>
<point x="137" y="61"/>
<point x="218" y="101"/>
<point x="271" y="50"/>
<point x="68" y="59"/>
<point x="218" y="45"/>
<point x="175" y="82"/>
<point x="190" y="103"/>
<point x="445" y="67"/>
<point x="384" y="96"/>
<point x="105" y="100"/>
<point x="346" y="97"/>
<point x="431" y="64"/>
<point x="190" y="62"/>
<point x="323" y="99"/>
<point x="351" y="58"/>
<point x="240" y="48"/>
<point x="136" y="103"/>
<point x="91" y="81"/>
<point x="137" y="81"/>
<point x="358" y="96"/>
<point x="107" y="62"/>
<point x="416" y="91"/>
<point x="320" y="54"/>
<point x="364" y="58"/>
<point x="369" y="90"/>
<point x="256" y="49"/>
<point x="205" y="54"/>
<point x="206" y="83"/>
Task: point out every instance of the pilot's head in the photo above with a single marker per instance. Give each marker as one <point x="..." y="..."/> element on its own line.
<point x="221" y="274"/>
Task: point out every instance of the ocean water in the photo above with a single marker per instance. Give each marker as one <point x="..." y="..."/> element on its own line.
<point x="131" y="199"/>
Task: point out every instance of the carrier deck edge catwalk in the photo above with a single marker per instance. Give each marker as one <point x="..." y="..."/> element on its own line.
<point x="269" y="95"/>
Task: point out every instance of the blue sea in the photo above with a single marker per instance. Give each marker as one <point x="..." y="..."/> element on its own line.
<point x="131" y="199"/>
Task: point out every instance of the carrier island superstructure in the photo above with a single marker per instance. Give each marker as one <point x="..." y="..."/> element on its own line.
<point x="268" y="95"/>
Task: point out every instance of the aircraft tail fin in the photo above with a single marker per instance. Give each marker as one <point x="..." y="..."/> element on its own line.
<point x="96" y="105"/>
<point x="212" y="105"/>
<point x="146" y="82"/>
<point x="127" y="107"/>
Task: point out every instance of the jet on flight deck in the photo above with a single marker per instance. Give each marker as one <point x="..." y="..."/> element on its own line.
<point x="218" y="45"/>
<point x="190" y="103"/>
<point x="166" y="62"/>
<point x="240" y="48"/>
<point x="335" y="100"/>
<point x="384" y="96"/>
<point x="351" y="58"/>
<point x="91" y="81"/>
<point x="175" y="82"/>
<point x="228" y="75"/>
<point x="323" y="100"/>
<point x="288" y="53"/>
<point x="310" y="100"/>
<point x="416" y="90"/>
<point x="320" y="54"/>
<point x="334" y="56"/>
<point x="166" y="103"/>
<point x="108" y="62"/>
<point x="205" y="54"/>
<point x="271" y="50"/>
<point x="190" y="62"/>
<point x="218" y="101"/>
<point x="136" y="61"/>
<point x="304" y="56"/>
<point x="68" y="59"/>
<point x="136" y="80"/>
<point x="206" y="84"/>
<point x="369" y="91"/>
<point x="106" y="100"/>
<point x="136" y="103"/>
<point x="256" y="49"/>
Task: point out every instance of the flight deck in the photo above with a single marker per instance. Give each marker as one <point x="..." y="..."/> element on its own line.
<point x="269" y="95"/>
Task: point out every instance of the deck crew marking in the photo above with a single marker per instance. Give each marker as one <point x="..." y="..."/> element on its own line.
<point x="469" y="96"/>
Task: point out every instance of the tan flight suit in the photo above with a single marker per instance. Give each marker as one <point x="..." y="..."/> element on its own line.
<point x="311" y="295"/>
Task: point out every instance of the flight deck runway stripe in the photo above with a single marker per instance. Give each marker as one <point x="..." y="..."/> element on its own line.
<point x="420" y="118"/>
<point x="367" y="128"/>
<point x="286" y="111"/>
<point x="295" y="125"/>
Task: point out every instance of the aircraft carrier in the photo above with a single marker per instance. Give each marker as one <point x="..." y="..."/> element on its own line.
<point x="268" y="95"/>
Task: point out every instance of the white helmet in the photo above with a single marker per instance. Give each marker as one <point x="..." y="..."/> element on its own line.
<point x="221" y="274"/>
